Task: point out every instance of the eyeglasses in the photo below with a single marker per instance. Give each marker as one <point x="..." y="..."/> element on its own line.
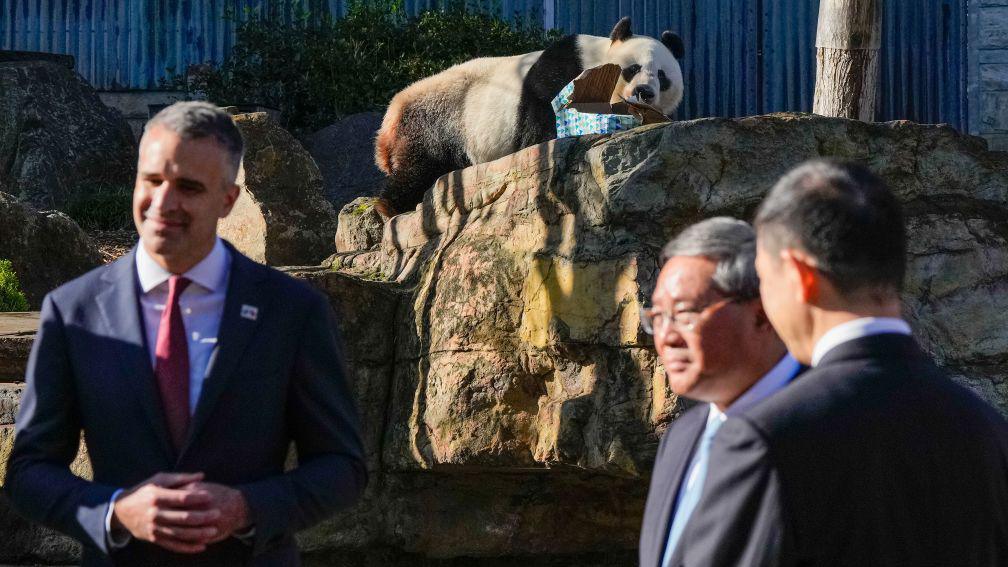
<point x="654" y="319"/>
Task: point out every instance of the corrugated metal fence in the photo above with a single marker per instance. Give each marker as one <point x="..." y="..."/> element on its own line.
<point x="742" y="56"/>
<point x="755" y="56"/>
<point x="129" y="44"/>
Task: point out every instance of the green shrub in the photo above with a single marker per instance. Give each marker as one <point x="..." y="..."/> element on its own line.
<point x="102" y="208"/>
<point x="317" y="69"/>
<point x="11" y="296"/>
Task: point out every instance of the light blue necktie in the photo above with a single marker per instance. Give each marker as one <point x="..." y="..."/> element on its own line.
<point x="693" y="486"/>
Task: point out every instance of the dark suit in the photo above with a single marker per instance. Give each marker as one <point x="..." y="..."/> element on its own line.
<point x="277" y="378"/>
<point x="873" y="457"/>
<point x="674" y="454"/>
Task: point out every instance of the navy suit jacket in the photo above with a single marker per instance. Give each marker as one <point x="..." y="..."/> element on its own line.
<point x="674" y="454"/>
<point x="274" y="379"/>
<point x="873" y="457"/>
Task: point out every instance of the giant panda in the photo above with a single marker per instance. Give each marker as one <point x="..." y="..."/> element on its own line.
<point x="490" y="107"/>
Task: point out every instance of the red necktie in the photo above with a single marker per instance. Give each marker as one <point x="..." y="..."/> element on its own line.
<point x="172" y="364"/>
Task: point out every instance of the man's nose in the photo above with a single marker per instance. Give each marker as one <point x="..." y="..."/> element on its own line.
<point x="165" y="196"/>
<point x="668" y="334"/>
<point x="644" y="92"/>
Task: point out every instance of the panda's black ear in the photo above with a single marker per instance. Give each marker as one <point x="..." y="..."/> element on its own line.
<point x="621" y="31"/>
<point x="674" y="44"/>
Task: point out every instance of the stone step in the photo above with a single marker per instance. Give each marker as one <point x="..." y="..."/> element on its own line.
<point x="17" y="331"/>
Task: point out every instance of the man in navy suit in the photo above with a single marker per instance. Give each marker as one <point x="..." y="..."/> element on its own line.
<point x="717" y="346"/>
<point x="873" y="456"/>
<point x="189" y="369"/>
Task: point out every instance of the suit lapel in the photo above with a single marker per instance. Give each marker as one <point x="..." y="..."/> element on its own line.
<point x="119" y="304"/>
<point x="236" y="330"/>
<point x="683" y="442"/>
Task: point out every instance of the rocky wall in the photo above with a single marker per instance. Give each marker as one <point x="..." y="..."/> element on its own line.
<point x="511" y="405"/>
<point x="58" y="142"/>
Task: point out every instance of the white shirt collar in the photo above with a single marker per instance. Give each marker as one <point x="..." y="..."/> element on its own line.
<point x="856" y="329"/>
<point x="771" y="382"/>
<point x="210" y="273"/>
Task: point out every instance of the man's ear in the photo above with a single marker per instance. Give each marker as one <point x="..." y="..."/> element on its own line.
<point x="233" y="191"/>
<point x="801" y="270"/>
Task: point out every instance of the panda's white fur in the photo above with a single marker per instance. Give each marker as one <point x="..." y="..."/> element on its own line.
<point x="489" y="107"/>
<point x="653" y="57"/>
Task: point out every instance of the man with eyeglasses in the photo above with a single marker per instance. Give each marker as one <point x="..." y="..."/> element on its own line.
<point x="874" y="456"/>
<point x="717" y="346"/>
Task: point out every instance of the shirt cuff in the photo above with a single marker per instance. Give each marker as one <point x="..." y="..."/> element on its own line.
<point x="120" y="538"/>
<point x="246" y="536"/>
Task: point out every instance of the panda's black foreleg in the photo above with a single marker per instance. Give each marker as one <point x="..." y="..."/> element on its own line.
<point x="404" y="192"/>
<point x="418" y="167"/>
<point x="427" y="146"/>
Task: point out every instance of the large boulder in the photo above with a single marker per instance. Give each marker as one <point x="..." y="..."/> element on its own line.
<point x="511" y="406"/>
<point x="46" y="248"/>
<point x="58" y="142"/>
<point x="281" y="217"/>
<point x="529" y="271"/>
<point x="344" y="152"/>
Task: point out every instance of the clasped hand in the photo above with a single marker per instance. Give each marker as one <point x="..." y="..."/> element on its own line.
<point x="180" y="512"/>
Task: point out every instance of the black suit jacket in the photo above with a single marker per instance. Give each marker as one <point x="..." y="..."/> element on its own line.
<point x="277" y="378"/>
<point x="674" y="454"/>
<point x="873" y="457"/>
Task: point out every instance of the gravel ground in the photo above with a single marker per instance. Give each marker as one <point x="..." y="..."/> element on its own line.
<point x="113" y="243"/>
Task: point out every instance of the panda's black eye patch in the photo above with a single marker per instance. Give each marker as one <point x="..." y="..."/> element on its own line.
<point x="663" y="82"/>
<point x="629" y="72"/>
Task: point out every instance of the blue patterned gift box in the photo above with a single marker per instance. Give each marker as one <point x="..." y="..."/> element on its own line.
<point x="570" y="122"/>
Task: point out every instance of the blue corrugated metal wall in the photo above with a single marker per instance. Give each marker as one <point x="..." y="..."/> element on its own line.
<point x="128" y="44"/>
<point x="754" y="56"/>
<point x="742" y="56"/>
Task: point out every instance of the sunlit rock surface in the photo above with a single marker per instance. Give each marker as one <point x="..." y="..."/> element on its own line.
<point x="281" y="217"/>
<point x="512" y="407"/>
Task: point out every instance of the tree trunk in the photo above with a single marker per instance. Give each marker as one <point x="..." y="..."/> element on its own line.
<point x="847" y="45"/>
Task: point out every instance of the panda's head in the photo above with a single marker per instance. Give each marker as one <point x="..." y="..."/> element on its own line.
<point x="650" y="67"/>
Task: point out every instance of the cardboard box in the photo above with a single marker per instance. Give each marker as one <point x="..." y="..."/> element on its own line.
<point x="590" y="105"/>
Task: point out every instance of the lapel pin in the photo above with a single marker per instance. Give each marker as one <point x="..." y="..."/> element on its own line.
<point x="250" y="312"/>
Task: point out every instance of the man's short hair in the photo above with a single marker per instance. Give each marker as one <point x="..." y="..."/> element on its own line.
<point x="195" y="119"/>
<point x="845" y="217"/>
<point x="728" y="241"/>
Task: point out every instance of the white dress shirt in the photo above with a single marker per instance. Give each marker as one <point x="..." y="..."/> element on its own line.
<point x="202" y="306"/>
<point x="856" y="329"/>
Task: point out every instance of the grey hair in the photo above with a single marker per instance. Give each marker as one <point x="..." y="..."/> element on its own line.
<point x="196" y="119"/>
<point x="730" y="242"/>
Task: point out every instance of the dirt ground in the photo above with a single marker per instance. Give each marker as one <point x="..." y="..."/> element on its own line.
<point x="113" y="243"/>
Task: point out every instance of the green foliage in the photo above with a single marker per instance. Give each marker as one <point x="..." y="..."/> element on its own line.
<point x="317" y="69"/>
<point x="11" y="296"/>
<point x="102" y="208"/>
<point x="361" y="208"/>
